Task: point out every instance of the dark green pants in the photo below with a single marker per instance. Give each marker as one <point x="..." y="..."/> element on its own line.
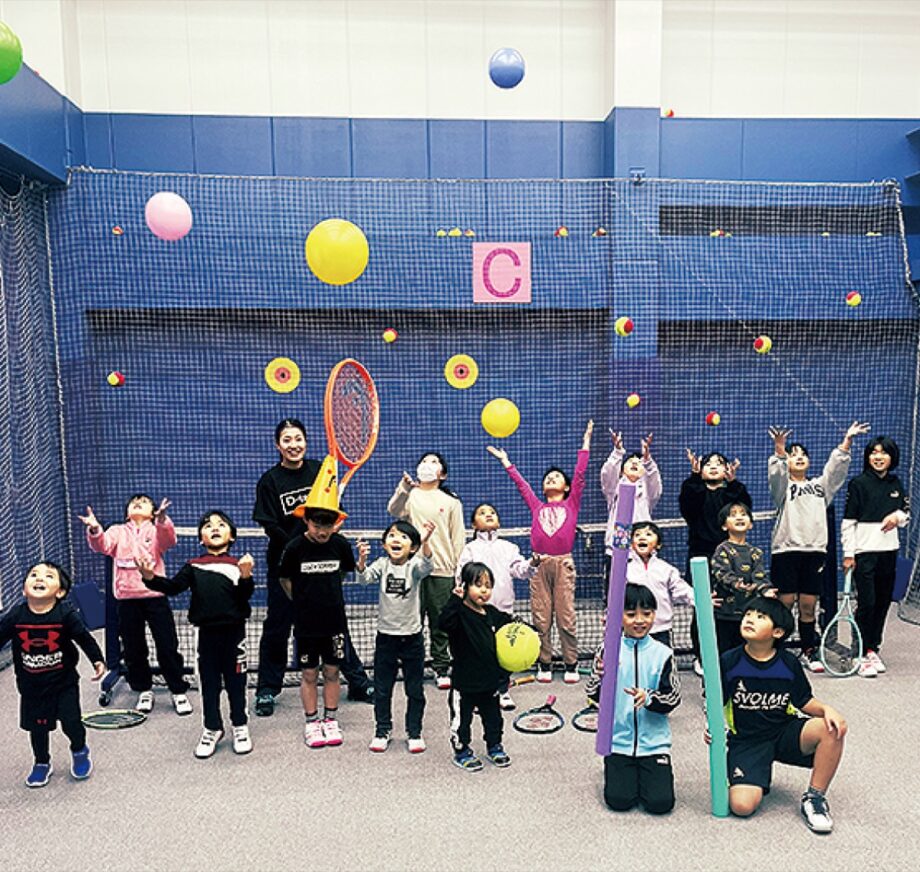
<point x="436" y="591"/>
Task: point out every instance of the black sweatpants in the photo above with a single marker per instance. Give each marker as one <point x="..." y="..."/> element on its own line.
<point x="71" y="720"/>
<point x="222" y="662"/>
<point x="461" y="717"/>
<point x="390" y="653"/>
<point x="631" y="780"/>
<point x="156" y="613"/>
<point x="874" y="577"/>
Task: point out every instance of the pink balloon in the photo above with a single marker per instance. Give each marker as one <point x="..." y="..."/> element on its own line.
<point x="168" y="216"/>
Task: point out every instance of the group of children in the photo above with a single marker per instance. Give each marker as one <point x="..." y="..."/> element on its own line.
<point x="465" y="591"/>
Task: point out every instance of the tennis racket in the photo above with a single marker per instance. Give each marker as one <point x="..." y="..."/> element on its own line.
<point x="351" y="411"/>
<point x="522" y="679"/>
<point x="114" y="719"/>
<point x="542" y="719"/>
<point x="586" y="719"/>
<point x="841" y="642"/>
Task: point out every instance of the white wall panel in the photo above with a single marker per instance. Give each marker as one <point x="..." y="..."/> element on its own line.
<point x="637" y="57"/>
<point x="686" y="57"/>
<point x="38" y="25"/>
<point x="92" y="56"/>
<point x="456" y="67"/>
<point x="889" y="61"/>
<point x="586" y="69"/>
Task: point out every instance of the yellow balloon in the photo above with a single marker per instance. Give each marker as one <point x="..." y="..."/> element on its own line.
<point x="336" y="251"/>
<point x="500" y="418"/>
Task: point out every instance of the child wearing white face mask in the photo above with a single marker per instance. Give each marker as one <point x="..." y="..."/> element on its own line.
<point x="422" y="500"/>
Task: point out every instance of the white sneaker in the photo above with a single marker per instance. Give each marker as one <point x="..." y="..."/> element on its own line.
<point x="816" y="813"/>
<point x="332" y="731"/>
<point x="207" y="744"/>
<point x="506" y="703"/>
<point x="417" y="745"/>
<point x="876" y="661"/>
<point x="571" y="675"/>
<point x="313" y="735"/>
<point x="867" y="668"/>
<point x="379" y="744"/>
<point x="812" y="662"/>
<point x="181" y="704"/>
<point x="697" y="667"/>
<point x="242" y="741"/>
<point x="443" y="682"/>
<point x="544" y="674"/>
<point x="144" y="701"/>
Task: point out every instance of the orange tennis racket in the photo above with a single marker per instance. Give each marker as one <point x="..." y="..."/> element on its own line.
<point x="351" y="411"/>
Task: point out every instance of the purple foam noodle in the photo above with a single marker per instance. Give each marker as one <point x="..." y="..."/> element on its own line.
<point x="616" y="591"/>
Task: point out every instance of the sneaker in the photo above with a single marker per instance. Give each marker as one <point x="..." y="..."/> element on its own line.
<point x="571" y="675"/>
<point x="816" y="813"/>
<point x="265" y="703"/>
<point x="544" y="673"/>
<point x="697" y="667"/>
<point x="332" y="731"/>
<point x="145" y="701"/>
<point x="466" y="759"/>
<point x="379" y="744"/>
<point x="498" y="756"/>
<point x="443" y="681"/>
<point x="361" y="694"/>
<point x="313" y="735"/>
<point x="242" y="741"/>
<point x="181" y="704"/>
<point x="80" y="765"/>
<point x="40" y="775"/>
<point x="506" y="703"/>
<point x="812" y="661"/>
<point x="876" y="661"/>
<point x="207" y="744"/>
<point x="416" y="745"/>
<point x="867" y="668"/>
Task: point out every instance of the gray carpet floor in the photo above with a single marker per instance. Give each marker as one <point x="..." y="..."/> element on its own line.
<point x="151" y="805"/>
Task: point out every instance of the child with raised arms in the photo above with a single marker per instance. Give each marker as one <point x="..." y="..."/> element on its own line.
<point x="799" y="541"/>
<point x="478" y="679"/>
<point x="43" y="630"/>
<point x="552" y="536"/>
<point x="221" y="587"/>
<point x="505" y="560"/>
<point x="764" y="689"/>
<point x="147" y="534"/>
<point x="427" y="499"/>
<point x="399" y="574"/>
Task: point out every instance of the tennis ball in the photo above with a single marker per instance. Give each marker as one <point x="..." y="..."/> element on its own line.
<point x="623" y="326"/>
<point x="390" y="335"/>
<point x="562" y="231"/>
<point x="517" y="646"/>
<point x="713" y="419"/>
<point x="115" y="379"/>
<point x="763" y="344"/>
<point x="455" y="231"/>
<point x="500" y="418"/>
<point x="633" y="400"/>
<point x="854" y="298"/>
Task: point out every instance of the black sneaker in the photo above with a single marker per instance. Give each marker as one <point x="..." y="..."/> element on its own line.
<point x="816" y="813"/>
<point x="265" y="704"/>
<point x="498" y="756"/>
<point x="361" y="694"/>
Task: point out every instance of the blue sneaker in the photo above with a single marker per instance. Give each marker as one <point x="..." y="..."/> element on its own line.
<point x="498" y="756"/>
<point x="81" y="766"/>
<point x="466" y="759"/>
<point x="39" y="776"/>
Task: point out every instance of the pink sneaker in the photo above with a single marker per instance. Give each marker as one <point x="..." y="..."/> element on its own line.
<point x="313" y="734"/>
<point x="332" y="732"/>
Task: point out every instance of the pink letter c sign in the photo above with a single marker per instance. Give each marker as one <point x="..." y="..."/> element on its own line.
<point x="501" y="272"/>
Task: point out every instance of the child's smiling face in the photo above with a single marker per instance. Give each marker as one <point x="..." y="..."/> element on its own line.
<point x="879" y="460"/>
<point x="398" y="546"/>
<point x="645" y="542"/>
<point x="43" y="585"/>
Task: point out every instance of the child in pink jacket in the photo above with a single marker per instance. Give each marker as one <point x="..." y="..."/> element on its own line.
<point x="146" y="533"/>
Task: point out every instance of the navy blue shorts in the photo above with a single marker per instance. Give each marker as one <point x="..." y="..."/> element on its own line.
<point x="312" y="649"/>
<point x="750" y="762"/>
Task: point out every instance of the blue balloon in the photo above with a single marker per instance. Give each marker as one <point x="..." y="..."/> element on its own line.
<point x="506" y="67"/>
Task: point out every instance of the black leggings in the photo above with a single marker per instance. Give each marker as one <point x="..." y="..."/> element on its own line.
<point x="71" y="723"/>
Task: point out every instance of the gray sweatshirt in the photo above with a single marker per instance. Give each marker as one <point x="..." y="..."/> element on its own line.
<point x="801" y="507"/>
<point x="400" y="593"/>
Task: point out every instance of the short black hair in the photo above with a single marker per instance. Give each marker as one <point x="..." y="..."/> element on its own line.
<point x="407" y="528"/>
<point x="286" y="424"/>
<point x="647" y="525"/>
<point x="138" y="496"/>
<point x="638" y="596"/>
<point x="629" y="457"/>
<point x="562" y="472"/>
<point x="726" y="510"/>
<point x="323" y="517"/>
<point x="779" y="614"/>
<point x="888" y="445"/>
<point x="793" y="445"/>
<point x="491" y="506"/>
<point x="65" y="579"/>
<point x="707" y="457"/>
<point x="472" y="571"/>
<point x="223" y="516"/>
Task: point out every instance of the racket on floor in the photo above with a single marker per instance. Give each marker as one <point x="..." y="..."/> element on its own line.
<point x="113" y="719"/>
<point x="522" y="679"/>
<point x="586" y="719"/>
<point x="351" y="410"/>
<point x="541" y="719"/>
<point x="841" y="642"/>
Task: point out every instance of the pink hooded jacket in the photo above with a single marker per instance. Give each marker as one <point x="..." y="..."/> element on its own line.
<point x="124" y="543"/>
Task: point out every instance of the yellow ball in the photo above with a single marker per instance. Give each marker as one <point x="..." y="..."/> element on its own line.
<point x="623" y="326"/>
<point x="854" y="298"/>
<point x="336" y="251"/>
<point x="713" y="419"/>
<point x="517" y="647"/>
<point x="763" y="344"/>
<point x="115" y="379"/>
<point x="390" y="335"/>
<point x="633" y="400"/>
<point x="500" y="418"/>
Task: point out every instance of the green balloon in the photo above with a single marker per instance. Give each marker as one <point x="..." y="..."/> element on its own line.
<point x="10" y="54"/>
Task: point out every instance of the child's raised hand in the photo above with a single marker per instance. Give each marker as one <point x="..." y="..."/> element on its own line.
<point x="732" y="469"/>
<point x="427" y="530"/>
<point x="779" y="435"/>
<point x="647" y="446"/>
<point x="161" y="510"/>
<point x="500" y="453"/>
<point x="639" y="695"/>
<point x="146" y="565"/>
<point x="617" y="438"/>
<point x="245" y="564"/>
<point x="408" y="481"/>
<point x="89" y="519"/>
<point x="98" y="670"/>
<point x="586" y="441"/>
<point x="364" y="550"/>
<point x="855" y="429"/>
<point x="695" y="461"/>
